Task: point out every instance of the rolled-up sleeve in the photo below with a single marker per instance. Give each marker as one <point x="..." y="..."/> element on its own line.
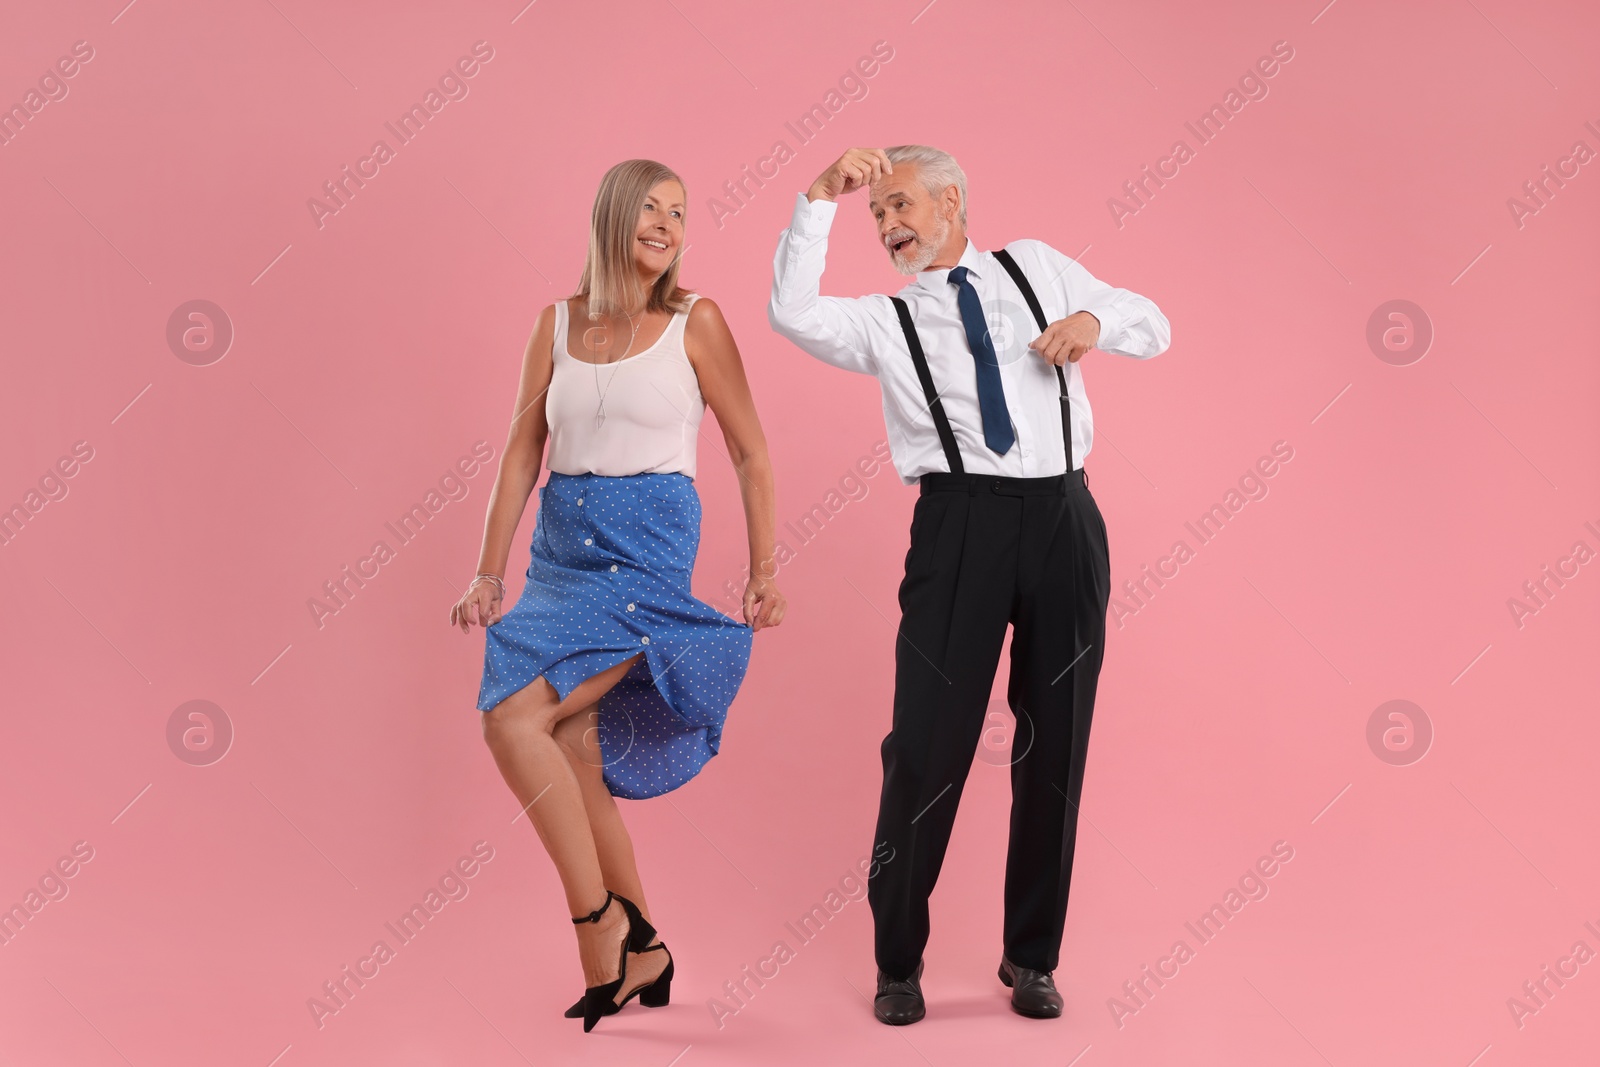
<point x="833" y="329"/>
<point x="1130" y="324"/>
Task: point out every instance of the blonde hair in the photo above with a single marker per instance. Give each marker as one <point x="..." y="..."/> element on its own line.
<point x="610" y="279"/>
<point x="937" y="169"/>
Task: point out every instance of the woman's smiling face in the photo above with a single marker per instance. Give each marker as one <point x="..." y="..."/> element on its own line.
<point x="659" y="235"/>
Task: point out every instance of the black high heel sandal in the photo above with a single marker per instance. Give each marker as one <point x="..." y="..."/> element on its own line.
<point x="599" y="1001"/>
<point x="653" y="994"/>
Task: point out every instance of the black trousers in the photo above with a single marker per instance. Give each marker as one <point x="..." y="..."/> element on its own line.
<point x="986" y="552"/>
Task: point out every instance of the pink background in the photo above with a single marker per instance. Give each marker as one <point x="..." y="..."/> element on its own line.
<point x="370" y="354"/>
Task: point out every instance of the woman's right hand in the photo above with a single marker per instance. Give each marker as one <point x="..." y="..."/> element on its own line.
<point x="763" y="605"/>
<point x="480" y="604"/>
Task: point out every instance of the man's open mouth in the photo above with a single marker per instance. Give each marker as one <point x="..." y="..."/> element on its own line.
<point x="901" y="245"/>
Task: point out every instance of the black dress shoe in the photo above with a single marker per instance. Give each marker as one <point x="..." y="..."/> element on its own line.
<point x="1033" y="993"/>
<point x="899" y="1000"/>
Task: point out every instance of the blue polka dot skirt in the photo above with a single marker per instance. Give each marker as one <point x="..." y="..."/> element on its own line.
<point x="608" y="580"/>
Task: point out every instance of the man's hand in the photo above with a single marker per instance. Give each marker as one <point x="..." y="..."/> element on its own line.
<point x="1066" y="340"/>
<point x="855" y="169"/>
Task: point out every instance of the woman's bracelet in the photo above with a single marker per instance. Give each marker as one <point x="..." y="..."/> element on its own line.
<point x="495" y="578"/>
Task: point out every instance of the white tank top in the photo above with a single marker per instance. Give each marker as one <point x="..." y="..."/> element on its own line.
<point x="652" y="407"/>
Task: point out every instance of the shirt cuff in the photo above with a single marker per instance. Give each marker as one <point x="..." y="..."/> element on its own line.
<point x="1110" y="324"/>
<point x="812" y="218"/>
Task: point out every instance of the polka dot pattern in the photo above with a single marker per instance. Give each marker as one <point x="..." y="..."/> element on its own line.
<point x="608" y="579"/>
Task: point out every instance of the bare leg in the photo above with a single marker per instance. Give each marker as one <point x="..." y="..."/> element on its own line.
<point x="578" y="735"/>
<point x="519" y="732"/>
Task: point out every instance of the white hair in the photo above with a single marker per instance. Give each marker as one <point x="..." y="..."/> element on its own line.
<point x="937" y="168"/>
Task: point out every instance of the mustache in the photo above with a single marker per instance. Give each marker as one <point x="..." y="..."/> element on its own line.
<point x="890" y="239"/>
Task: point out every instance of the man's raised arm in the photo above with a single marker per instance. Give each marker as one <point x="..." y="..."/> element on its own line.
<point x="834" y="329"/>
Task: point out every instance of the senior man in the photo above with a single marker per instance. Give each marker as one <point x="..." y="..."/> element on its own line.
<point x="984" y="404"/>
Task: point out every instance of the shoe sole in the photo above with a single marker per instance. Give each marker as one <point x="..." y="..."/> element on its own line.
<point x="1035" y="1014"/>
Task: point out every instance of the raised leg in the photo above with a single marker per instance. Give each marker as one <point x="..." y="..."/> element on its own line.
<point x="520" y="733"/>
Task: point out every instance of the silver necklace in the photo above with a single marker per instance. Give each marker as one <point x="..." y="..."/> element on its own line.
<point x="600" y="410"/>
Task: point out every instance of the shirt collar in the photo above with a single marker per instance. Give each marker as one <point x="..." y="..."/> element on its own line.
<point x="939" y="279"/>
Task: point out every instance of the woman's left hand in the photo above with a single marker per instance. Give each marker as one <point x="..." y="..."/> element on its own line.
<point x="763" y="604"/>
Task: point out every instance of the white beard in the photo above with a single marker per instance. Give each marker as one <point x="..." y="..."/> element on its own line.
<point x="928" y="250"/>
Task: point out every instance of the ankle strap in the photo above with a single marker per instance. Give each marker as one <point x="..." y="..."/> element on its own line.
<point x="594" y="916"/>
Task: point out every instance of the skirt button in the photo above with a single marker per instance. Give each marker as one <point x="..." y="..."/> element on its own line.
<point x="644" y="640"/>
<point x="613" y="568"/>
<point x="630" y="607"/>
<point x="580" y="501"/>
<point x="588" y="540"/>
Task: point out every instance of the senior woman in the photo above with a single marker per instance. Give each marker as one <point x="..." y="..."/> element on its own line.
<point x="608" y="677"/>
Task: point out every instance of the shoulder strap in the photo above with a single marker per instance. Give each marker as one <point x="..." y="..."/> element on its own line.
<point x="1021" y="279"/>
<point x="558" y="339"/>
<point x="680" y="321"/>
<point x="947" y="437"/>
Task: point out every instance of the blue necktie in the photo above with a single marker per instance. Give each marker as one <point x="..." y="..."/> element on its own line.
<point x="997" y="433"/>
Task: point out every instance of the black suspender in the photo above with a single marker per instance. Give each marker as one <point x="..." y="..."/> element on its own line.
<point x="941" y="423"/>
<point x="947" y="437"/>
<point x="1038" y="313"/>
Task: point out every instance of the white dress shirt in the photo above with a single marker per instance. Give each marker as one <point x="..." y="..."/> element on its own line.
<point x="863" y="334"/>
